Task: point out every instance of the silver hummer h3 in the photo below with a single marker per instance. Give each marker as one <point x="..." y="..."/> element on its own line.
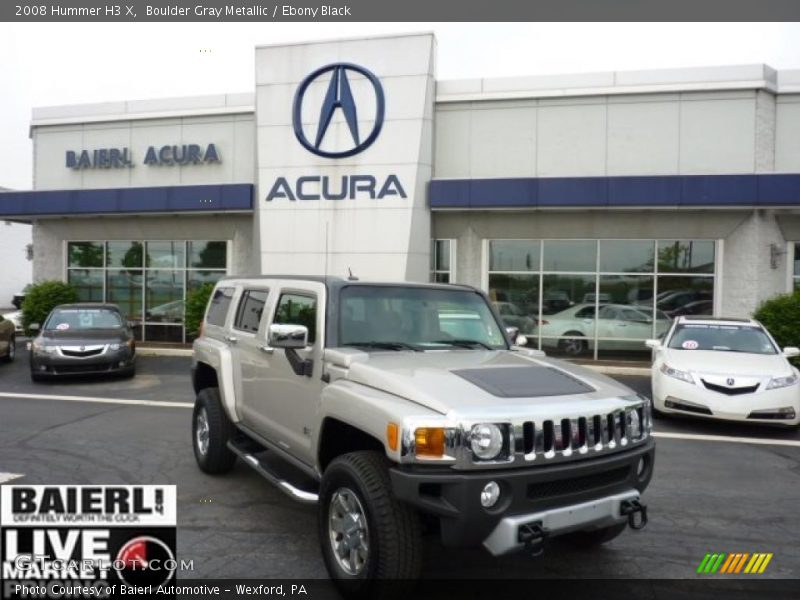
<point x="400" y="408"/>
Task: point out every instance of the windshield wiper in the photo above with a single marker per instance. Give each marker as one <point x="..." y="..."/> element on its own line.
<point x="464" y="343"/>
<point x="385" y="346"/>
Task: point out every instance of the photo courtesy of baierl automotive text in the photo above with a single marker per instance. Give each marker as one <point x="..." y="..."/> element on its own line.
<point x="300" y="303"/>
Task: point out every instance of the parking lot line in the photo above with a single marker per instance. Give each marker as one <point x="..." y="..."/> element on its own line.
<point x="6" y="477"/>
<point x="697" y="437"/>
<point x="167" y="404"/>
<point x="159" y="403"/>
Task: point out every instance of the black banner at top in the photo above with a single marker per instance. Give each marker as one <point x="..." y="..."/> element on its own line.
<point x="396" y="10"/>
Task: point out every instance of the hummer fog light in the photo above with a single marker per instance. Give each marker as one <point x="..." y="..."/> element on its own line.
<point x="490" y="494"/>
<point x="486" y="441"/>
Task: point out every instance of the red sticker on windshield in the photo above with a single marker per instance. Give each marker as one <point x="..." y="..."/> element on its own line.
<point x="62" y="326"/>
<point x="689" y="345"/>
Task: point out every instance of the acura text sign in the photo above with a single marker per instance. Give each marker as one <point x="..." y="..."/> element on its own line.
<point x="167" y="155"/>
<point x="361" y="112"/>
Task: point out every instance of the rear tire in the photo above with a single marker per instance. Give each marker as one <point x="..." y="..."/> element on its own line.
<point x="11" y="353"/>
<point x="573" y="347"/>
<point x="373" y="533"/>
<point x="594" y="538"/>
<point x="211" y="431"/>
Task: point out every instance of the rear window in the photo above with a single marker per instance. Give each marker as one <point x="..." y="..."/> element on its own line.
<point x="251" y="307"/>
<point x="218" y="307"/>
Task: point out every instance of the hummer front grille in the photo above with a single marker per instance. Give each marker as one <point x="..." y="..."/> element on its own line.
<point x="554" y="439"/>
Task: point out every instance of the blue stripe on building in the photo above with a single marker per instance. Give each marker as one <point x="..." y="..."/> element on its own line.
<point x="681" y="191"/>
<point x="143" y="200"/>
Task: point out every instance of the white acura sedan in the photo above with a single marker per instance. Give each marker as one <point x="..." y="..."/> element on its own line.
<point x="729" y="369"/>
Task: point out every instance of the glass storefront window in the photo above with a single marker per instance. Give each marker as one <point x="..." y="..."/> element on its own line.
<point x="164" y="297"/>
<point x="570" y="255"/>
<point x="127" y="255"/>
<point x="165" y="255"/>
<point x="626" y="256"/>
<point x="441" y="251"/>
<point x="514" y="255"/>
<point x="207" y="255"/>
<point x="679" y="296"/>
<point x="574" y="308"/>
<point x="148" y="280"/>
<point x="682" y="256"/>
<point x="196" y="279"/>
<point x="516" y="299"/>
<point x="124" y="288"/>
<point x="88" y="283"/>
<point x="85" y="254"/>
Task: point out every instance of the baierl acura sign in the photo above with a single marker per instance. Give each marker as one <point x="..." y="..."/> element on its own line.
<point x="339" y="98"/>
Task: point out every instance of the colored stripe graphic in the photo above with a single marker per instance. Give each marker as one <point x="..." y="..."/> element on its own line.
<point x="735" y="563"/>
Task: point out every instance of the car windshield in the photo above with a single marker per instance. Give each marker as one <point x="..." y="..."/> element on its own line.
<point x="411" y="318"/>
<point x="724" y="338"/>
<point x="67" y="319"/>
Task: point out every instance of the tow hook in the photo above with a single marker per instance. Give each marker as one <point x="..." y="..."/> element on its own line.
<point x="631" y="508"/>
<point x="533" y="535"/>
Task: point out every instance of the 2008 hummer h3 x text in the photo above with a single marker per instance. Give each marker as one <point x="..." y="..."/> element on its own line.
<point x="403" y="407"/>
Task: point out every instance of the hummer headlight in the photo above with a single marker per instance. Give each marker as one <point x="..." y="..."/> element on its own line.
<point x="486" y="441"/>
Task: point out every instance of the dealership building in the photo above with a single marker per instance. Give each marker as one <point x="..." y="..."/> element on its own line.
<point x="592" y="208"/>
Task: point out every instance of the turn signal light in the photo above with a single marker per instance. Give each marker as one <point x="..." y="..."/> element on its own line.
<point x="429" y="441"/>
<point x="391" y="436"/>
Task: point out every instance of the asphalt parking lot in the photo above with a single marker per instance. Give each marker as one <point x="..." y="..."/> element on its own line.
<point x="717" y="487"/>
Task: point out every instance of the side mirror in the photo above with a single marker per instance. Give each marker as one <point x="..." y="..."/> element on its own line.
<point x="654" y="344"/>
<point x="511" y="334"/>
<point x="521" y="340"/>
<point x="288" y="336"/>
<point x="34" y="327"/>
<point x="791" y="351"/>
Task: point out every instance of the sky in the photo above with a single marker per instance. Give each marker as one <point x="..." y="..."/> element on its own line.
<point x="55" y="64"/>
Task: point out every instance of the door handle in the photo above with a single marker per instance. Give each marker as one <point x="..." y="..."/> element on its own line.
<point x="231" y="339"/>
<point x="267" y="349"/>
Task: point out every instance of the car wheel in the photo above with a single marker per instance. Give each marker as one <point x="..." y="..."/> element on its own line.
<point x="573" y="347"/>
<point x="11" y="353"/>
<point x="370" y="541"/>
<point x="211" y="431"/>
<point x="595" y="537"/>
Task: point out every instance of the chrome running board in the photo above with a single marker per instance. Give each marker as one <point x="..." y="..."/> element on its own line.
<point x="287" y="488"/>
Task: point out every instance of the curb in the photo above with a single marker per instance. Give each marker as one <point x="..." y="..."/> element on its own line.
<point x="149" y="351"/>
<point x="610" y="370"/>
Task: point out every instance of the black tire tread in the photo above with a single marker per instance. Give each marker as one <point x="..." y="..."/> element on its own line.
<point x="399" y="535"/>
<point x="219" y="458"/>
<point x="8" y="358"/>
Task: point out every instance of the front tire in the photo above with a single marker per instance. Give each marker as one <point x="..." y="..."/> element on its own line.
<point x="370" y="541"/>
<point x="211" y="431"/>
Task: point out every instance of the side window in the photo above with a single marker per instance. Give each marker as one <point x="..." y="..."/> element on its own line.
<point x="608" y="312"/>
<point x="218" y="307"/>
<point x="585" y="313"/>
<point x="296" y="309"/>
<point x="251" y="307"/>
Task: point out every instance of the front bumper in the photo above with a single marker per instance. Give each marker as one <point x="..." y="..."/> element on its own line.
<point x="691" y="399"/>
<point x="454" y="497"/>
<point x="119" y="361"/>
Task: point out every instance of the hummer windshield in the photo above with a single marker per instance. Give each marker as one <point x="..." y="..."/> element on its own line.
<point x="416" y="318"/>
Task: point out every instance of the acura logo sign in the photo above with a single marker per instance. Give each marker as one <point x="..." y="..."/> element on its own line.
<point x="730" y="381"/>
<point x="339" y="98"/>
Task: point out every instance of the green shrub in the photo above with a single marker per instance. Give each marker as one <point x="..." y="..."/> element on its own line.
<point x="42" y="298"/>
<point x="196" y="302"/>
<point x="781" y="316"/>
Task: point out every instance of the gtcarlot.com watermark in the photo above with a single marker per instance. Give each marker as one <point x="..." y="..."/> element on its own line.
<point x="87" y="541"/>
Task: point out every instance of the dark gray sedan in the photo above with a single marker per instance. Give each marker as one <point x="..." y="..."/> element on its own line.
<point x="83" y="339"/>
